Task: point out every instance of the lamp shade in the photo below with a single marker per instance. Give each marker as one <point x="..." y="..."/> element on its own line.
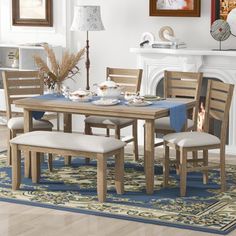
<point x="87" y="18"/>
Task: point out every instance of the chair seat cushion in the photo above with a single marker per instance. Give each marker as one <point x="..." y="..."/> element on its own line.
<point x="191" y="139"/>
<point x="18" y="123"/>
<point x="164" y="124"/>
<point x="69" y="141"/>
<point x="107" y="120"/>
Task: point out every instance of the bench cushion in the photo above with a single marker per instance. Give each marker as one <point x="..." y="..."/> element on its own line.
<point x="164" y="124"/>
<point x="18" y="123"/>
<point x="107" y="120"/>
<point x="191" y="139"/>
<point x="69" y="141"/>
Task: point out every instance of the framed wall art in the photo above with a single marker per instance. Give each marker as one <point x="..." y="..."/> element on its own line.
<point x="32" y="13"/>
<point x="181" y="8"/>
<point x="220" y="9"/>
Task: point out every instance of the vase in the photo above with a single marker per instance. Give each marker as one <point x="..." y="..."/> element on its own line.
<point x="57" y="89"/>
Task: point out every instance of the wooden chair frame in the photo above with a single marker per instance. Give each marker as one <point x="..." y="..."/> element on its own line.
<point x="19" y="85"/>
<point x="130" y="81"/>
<point x="218" y="101"/>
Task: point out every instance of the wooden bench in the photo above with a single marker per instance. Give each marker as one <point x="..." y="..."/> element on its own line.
<point x="69" y="144"/>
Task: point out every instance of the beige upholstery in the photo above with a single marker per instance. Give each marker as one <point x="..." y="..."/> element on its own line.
<point x="68" y="141"/>
<point x="107" y="120"/>
<point x="191" y="139"/>
<point x="17" y="123"/>
<point x="164" y="123"/>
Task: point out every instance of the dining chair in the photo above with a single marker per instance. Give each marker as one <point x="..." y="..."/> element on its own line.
<point x="19" y="85"/>
<point x="180" y="85"/>
<point x="218" y="101"/>
<point x="130" y="81"/>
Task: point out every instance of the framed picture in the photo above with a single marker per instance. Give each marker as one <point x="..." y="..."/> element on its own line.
<point x="32" y="13"/>
<point x="182" y="8"/>
<point x="220" y="9"/>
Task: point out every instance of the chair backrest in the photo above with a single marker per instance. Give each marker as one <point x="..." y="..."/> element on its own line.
<point x="184" y="85"/>
<point x="218" y="101"/>
<point x="128" y="79"/>
<point x="20" y="84"/>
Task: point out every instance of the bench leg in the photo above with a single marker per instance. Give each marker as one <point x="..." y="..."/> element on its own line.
<point x="101" y="178"/>
<point x="16" y="168"/>
<point x="35" y="160"/>
<point x="119" y="172"/>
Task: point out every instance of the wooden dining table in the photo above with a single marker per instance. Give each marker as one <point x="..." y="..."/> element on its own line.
<point x="67" y="107"/>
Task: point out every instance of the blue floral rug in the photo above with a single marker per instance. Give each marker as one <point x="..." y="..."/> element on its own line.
<point x="73" y="188"/>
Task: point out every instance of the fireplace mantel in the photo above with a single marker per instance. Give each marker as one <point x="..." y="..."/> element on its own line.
<point x="214" y="64"/>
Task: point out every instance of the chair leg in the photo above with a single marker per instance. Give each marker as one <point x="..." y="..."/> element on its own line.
<point x="117" y="132"/>
<point x="222" y="170"/>
<point x="177" y="153"/>
<point x="87" y="131"/>
<point x="9" y="151"/>
<point x="195" y="155"/>
<point x="166" y="166"/>
<point x="35" y="160"/>
<point x="27" y="164"/>
<point x="101" y="178"/>
<point x="50" y="160"/>
<point x="205" y="163"/>
<point x="119" y="172"/>
<point x="183" y="172"/>
<point x="107" y="132"/>
<point x="135" y="136"/>
<point x="16" y="167"/>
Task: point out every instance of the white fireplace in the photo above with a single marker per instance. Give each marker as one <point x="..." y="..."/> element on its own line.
<point x="214" y="64"/>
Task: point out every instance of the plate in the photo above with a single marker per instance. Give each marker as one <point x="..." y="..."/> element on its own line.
<point x="106" y="102"/>
<point x="153" y="98"/>
<point x="143" y="104"/>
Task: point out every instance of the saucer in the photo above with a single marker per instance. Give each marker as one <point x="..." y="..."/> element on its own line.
<point x="106" y="102"/>
<point x="141" y="104"/>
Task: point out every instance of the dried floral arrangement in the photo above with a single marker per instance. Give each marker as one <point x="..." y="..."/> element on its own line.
<point x="58" y="71"/>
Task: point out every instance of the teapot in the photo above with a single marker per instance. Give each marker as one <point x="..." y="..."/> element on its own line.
<point x="108" y="89"/>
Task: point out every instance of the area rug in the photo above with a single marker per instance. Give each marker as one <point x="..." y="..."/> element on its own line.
<point x="73" y="188"/>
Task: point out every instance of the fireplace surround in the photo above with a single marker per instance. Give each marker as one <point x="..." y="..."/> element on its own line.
<point x="220" y="65"/>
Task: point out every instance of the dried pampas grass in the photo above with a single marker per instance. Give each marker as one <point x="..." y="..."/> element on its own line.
<point x="58" y="71"/>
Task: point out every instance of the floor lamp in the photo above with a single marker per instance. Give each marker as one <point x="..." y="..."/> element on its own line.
<point x="87" y="18"/>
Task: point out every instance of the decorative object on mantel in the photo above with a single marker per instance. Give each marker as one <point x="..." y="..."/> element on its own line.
<point x="168" y="39"/>
<point x="181" y="8"/>
<point x="87" y="18"/>
<point x="224" y="10"/>
<point x="32" y="13"/>
<point x="147" y="38"/>
<point x="220" y="31"/>
<point x="59" y="71"/>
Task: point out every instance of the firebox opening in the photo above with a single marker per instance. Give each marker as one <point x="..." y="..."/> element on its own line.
<point x="214" y="124"/>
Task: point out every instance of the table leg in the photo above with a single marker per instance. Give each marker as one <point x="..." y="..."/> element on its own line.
<point x="149" y="155"/>
<point x="28" y="126"/>
<point x="67" y="129"/>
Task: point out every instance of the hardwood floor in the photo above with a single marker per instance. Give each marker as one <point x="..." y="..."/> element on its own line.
<point x="22" y="220"/>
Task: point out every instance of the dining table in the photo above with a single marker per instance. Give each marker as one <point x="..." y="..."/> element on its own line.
<point x="60" y="104"/>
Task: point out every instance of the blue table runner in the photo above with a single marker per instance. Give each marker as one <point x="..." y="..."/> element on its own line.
<point x="178" y="110"/>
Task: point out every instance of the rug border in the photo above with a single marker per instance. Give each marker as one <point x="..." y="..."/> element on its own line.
<point x="119" y="217"/>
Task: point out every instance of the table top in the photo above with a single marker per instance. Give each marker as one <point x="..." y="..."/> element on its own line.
<point x="87" y="108"/>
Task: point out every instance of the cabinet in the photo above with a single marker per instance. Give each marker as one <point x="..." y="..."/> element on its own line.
<point x="20" y="57"/>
